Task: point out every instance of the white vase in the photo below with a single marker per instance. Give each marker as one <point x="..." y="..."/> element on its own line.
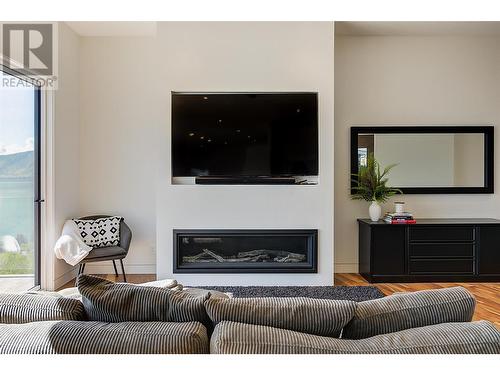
<point x="375" y="211"/>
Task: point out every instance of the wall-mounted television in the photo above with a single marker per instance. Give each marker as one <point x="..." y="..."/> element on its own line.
<point x="244" y="134"/>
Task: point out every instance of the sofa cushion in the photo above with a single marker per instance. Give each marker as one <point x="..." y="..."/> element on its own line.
<point x="316" y="316"/>
<point x="448" y="338"/>
<point x="70" y="337"/>
<point x="73" y="292"/>
<point x="24" y="308"/>
<point x="410" y="310"/>
<point x="196" y="292"/>
<point x="107" y="301"/>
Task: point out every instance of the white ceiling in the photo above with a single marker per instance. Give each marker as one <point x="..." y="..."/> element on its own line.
<point x="113" y="28"/>
<point x="417" y="28"/>
<point x="141" y="28"/>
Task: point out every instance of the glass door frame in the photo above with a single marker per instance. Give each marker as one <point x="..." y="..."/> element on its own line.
<point x="37" y="170"/>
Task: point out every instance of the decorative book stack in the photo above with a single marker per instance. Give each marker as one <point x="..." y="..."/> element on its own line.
<point x="399" y="218"/>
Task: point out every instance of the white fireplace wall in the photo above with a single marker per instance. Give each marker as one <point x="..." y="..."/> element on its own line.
<point x="126" y="85"/>
<point x="249" y="57"/>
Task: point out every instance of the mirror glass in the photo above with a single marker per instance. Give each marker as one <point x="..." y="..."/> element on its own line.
<point x="427" y="160"/>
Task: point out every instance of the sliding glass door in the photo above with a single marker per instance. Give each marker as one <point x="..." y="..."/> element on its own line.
<point x="19" y="182"/>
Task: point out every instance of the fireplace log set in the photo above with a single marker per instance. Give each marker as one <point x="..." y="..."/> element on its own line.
<point x="279" y="256"/>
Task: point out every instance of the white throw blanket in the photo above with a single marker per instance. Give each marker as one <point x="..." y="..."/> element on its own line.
<point x="70" y="245"/>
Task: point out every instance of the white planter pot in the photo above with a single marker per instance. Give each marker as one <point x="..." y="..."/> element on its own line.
<point x="375" y="211"/>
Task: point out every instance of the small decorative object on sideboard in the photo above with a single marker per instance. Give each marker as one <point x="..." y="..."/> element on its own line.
<point x="399" y="207"/>
<point x="399" y="218"/>
<point x="371" y="181"/>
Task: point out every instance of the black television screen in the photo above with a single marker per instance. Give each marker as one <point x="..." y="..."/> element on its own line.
<point x="244" y="134"/>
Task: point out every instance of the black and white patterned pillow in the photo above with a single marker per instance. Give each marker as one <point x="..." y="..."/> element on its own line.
<point x="100" y="232"/>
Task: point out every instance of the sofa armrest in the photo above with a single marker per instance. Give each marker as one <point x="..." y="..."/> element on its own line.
<point x="70" y="337"/>
<point x="410" y="310"/>
<point x="25" y="308"/>
<point x="448" y="338"/>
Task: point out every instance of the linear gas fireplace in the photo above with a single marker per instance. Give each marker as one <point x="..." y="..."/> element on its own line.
<point x="245" y="251"/>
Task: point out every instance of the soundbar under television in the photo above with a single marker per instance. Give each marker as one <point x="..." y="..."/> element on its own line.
<point x="246" y="135"/>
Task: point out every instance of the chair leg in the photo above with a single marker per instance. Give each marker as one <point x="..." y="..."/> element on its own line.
<point x="83" y="267"/>
<point x="123" y="271"/>
<point x="114" y="266"/>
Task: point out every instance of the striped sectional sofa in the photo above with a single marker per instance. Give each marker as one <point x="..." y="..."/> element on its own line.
<point x="128" y="319"/>
<point x="426" y="322"/>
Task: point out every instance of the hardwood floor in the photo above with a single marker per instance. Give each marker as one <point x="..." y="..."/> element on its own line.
<point x="133" y="278"/>
<point x="487" y="294"/>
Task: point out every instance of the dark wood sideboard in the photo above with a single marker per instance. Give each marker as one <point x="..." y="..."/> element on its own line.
<point x="430" y="250"/>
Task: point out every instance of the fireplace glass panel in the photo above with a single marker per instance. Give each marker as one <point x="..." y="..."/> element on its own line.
<point x="251" y="251"/>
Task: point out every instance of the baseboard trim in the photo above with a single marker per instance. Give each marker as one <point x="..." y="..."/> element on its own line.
<point x="107" y="268"/>
<point x="104" y="268"/>
<point x="65" y="278"/>
<point x="346" y="268"/>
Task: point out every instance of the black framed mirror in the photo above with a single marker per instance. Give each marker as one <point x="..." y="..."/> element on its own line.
<point x="430" y="159"/>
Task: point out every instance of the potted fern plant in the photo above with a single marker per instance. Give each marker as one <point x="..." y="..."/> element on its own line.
<point x="371" y="181"/>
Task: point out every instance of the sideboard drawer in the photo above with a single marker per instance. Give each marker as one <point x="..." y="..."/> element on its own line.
<point x="441" y="233"/>
<point x="444" y="266"/>
<point x="442" y="249"/>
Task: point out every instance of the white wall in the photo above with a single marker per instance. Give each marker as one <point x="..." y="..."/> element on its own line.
<point x="125" y="135"/>
<point x="122" y="108"/>
<point x="66" y="141"/>
<point x="411" y="80"/>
